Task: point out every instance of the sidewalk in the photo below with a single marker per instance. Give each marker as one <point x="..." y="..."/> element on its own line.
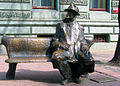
<point x="43" y="74"/>
<point x="104" y="57"/>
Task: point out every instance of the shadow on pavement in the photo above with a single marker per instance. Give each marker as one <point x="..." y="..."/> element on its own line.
<point x="99" y="62"/>
<point x="39" y="76"/>
<point x="2" y="75"/>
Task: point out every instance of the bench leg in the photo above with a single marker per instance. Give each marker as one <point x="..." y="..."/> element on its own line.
<point x="11" y="71"/>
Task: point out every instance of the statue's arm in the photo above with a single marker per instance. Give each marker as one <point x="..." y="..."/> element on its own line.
<point x="56" y="39"/>
<point x="84" y="45"/>
<point x="81" y="35"/>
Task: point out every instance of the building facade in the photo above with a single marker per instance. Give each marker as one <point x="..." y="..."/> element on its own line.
<point x="35" y="18"/>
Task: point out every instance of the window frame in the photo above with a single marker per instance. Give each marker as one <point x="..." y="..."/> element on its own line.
<point x="99" y="9"/>
<point x="45" y="7"/>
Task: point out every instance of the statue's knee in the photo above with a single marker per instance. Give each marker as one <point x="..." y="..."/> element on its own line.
<point x="58" y="57"/>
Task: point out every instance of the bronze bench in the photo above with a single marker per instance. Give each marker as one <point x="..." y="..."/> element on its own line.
<point x="28" y="49"/>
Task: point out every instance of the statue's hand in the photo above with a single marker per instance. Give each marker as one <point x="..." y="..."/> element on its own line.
<point x="84" y="47"/>
<point x="63" y="46"/>
<point x="66" y="46"/>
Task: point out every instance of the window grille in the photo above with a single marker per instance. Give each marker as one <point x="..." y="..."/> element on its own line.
<point x="44" y="4"/>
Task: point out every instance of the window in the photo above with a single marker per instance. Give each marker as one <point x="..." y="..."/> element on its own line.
<point x="98" y="5"/>
<point x="44" y="4"/>
<point x="101" y="38"/>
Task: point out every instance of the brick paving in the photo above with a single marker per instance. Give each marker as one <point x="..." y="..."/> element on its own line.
<point x="104" y="57"/>
<point x="43" y="74"/>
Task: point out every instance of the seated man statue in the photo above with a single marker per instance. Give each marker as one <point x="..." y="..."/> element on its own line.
<point x="70" y="49"/>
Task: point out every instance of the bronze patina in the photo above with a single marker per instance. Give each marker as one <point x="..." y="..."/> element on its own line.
<point x="71" y="53"/>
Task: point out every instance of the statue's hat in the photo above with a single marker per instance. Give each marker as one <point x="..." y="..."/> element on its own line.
<point x="73" y="8"/>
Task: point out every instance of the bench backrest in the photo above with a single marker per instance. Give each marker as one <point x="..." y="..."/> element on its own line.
<point x="26" y="47"/>
<point x="29" y="47"/>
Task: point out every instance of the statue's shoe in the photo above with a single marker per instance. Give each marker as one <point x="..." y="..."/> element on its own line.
<point x="66" y="81"/>
<point x="77" y="80"/>
<point x="85" y="75"/>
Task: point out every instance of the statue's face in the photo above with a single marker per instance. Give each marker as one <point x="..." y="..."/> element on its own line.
<point x="70" y="14"/>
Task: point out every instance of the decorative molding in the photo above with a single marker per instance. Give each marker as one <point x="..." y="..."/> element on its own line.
<point x="82" y="15"/>
<point x="20" y="1"/>
<point x="15" y="6"/>
<point x="115" y="3"/>
<point x="45" y="14"/>
<point x="80" y="2"/>
<point x="14" y="14"/>
<point x="114" y="16"/>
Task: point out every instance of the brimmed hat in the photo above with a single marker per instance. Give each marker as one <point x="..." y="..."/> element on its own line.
<point x="73" y="8"/>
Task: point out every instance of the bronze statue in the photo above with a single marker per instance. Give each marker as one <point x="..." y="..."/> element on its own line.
<point x="70" y="50"/>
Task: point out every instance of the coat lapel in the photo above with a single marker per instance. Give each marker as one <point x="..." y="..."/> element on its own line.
<point x="63" y="26"/>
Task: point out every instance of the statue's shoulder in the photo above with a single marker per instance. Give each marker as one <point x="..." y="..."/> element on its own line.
<point x="58" y="24"/>
<point x="61" y="24"/>
<point x="80" y="27"/>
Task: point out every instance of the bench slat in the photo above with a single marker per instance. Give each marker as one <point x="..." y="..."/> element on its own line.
<point x="28" y="60"/>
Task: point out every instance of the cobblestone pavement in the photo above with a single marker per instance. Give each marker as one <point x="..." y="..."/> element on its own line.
<point x="43" y="74"/>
